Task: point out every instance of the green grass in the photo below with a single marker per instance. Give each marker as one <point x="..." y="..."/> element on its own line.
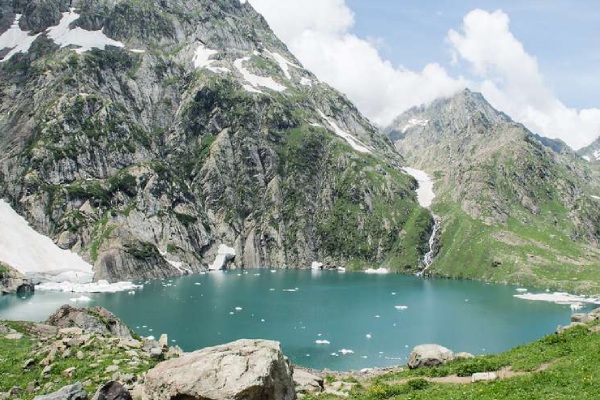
<point x="533" y="254"/>
<point x="97" y="356"/>
<point x="572" y="361"/>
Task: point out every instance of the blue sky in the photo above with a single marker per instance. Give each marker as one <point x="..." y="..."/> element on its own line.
<point x="538" y="61"/>
<point x="564" y="36"/>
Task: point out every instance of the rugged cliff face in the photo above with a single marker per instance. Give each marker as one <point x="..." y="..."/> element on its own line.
<point x="515" y="207"/>
<point x="144" y="134"/>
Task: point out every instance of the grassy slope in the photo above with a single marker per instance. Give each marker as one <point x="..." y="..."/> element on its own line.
<point x="91" y="369"/>
<point x="526" y="231"/>
<point x="573" y="372"/>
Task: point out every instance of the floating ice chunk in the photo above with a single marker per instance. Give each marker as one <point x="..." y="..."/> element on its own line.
<point x="322" y="342"/>
<point x="131" y="292"/>
<point x="401" y="307"/>
<point x="576" y="306"/>
<point x="316" y="265"/>
<point x="335" y="354"/>
<point x="197" y="283"/>
<point x="64" y="36"/>
<point x="378" y="316"/>
<point x="368" y="336"/>
<point x="346" y="351"/>
<point x="341" y="269"/>
<point x="231" y="313"/>
<point x="425" y="194"/>
<point x="255" y="80"/>
<point x="238" y="309"/>
<point x="291" y="290"/>
<point x="80" y="299"/>
<point x="521" y="290"/>
<point x="393" y="293"/>
<point x="351" y="140"/>
<point x="272" y="290"/>
<point x="98" y="287"/>
<point x="558" y="298"/>
<point x="262" y="320"/>
<point x="380" y="271"/>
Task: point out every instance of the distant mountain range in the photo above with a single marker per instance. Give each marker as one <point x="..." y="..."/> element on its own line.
<point x="515" y="206"/>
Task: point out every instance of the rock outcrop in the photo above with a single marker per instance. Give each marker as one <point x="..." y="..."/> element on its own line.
<point x="306" y="382"/>
<point x="245" y="369"/>
<point x="11" y="281"/>
<point x="94" y="320"/>
<point x="429" y="355"/>
<point x="112" y="390"/>
<point x="70" y="392"/>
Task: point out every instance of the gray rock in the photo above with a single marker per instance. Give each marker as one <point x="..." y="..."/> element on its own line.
<point x="71" y="392"/>
<point x="463" y="355"/>
<point x="113" y="390"/>
<point x="13" y="336"/>
<point x="164" y="340"/>
<point x="429" y="355"/>
<point x="484" y="376"/>
<point x="583" y="318"/>
<point x="156" y="353"/>
<point x="69" y="372"/>
<point x="95" y="320"/>
<point x="307" y="382"/>
<point x="29" y="363"/>
<point x="245" y="369"/>
<point x="47" y="371"/>
<point x="560" y="329"/>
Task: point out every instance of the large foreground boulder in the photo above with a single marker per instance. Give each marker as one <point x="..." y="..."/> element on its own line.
<point x="429" y="355"/>
<point x="95" y="320"/>
<point x="242" y="370"/>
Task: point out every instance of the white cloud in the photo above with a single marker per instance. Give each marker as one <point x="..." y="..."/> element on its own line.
<point x="318" y="33"/>
<point x="511" y="80"/>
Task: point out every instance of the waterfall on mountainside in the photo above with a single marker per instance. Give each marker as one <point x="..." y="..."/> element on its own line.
<point x="433" y="247"/>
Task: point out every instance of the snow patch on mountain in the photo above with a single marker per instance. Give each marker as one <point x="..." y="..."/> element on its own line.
<point x="256" y="80"/>
<point x="17" y="40"/>
<point x="415" y="122"/>
<point x="202" y="56"/>
<point x="352" y="141"/>
<point x="35" y="255"/>
<point x="425" y="194"/>
<point x="85" y="40"/>
<point x="283" y="63"/>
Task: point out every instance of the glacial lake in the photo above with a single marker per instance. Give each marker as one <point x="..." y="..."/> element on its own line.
<point x="339" y="321"/>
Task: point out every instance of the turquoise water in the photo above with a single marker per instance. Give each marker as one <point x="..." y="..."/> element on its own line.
<point x="352" y="311"/>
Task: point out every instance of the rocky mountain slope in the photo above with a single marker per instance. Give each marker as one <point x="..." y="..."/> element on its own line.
<point x="514" y="208"/>
<point x="145" y="134"/>
<point x="591" y="153"/>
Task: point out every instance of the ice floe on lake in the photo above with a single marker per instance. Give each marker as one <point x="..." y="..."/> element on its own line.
<point x="558" y="298"/>
<point x="378" y="271"/>
<point x="96" y="287"/>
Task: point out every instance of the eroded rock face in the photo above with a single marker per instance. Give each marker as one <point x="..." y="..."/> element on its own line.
<point x="429" y="355"/>
<point x="12" y="281"/>
<point x="95" y="320"/>
<point x="245" y="369"/>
